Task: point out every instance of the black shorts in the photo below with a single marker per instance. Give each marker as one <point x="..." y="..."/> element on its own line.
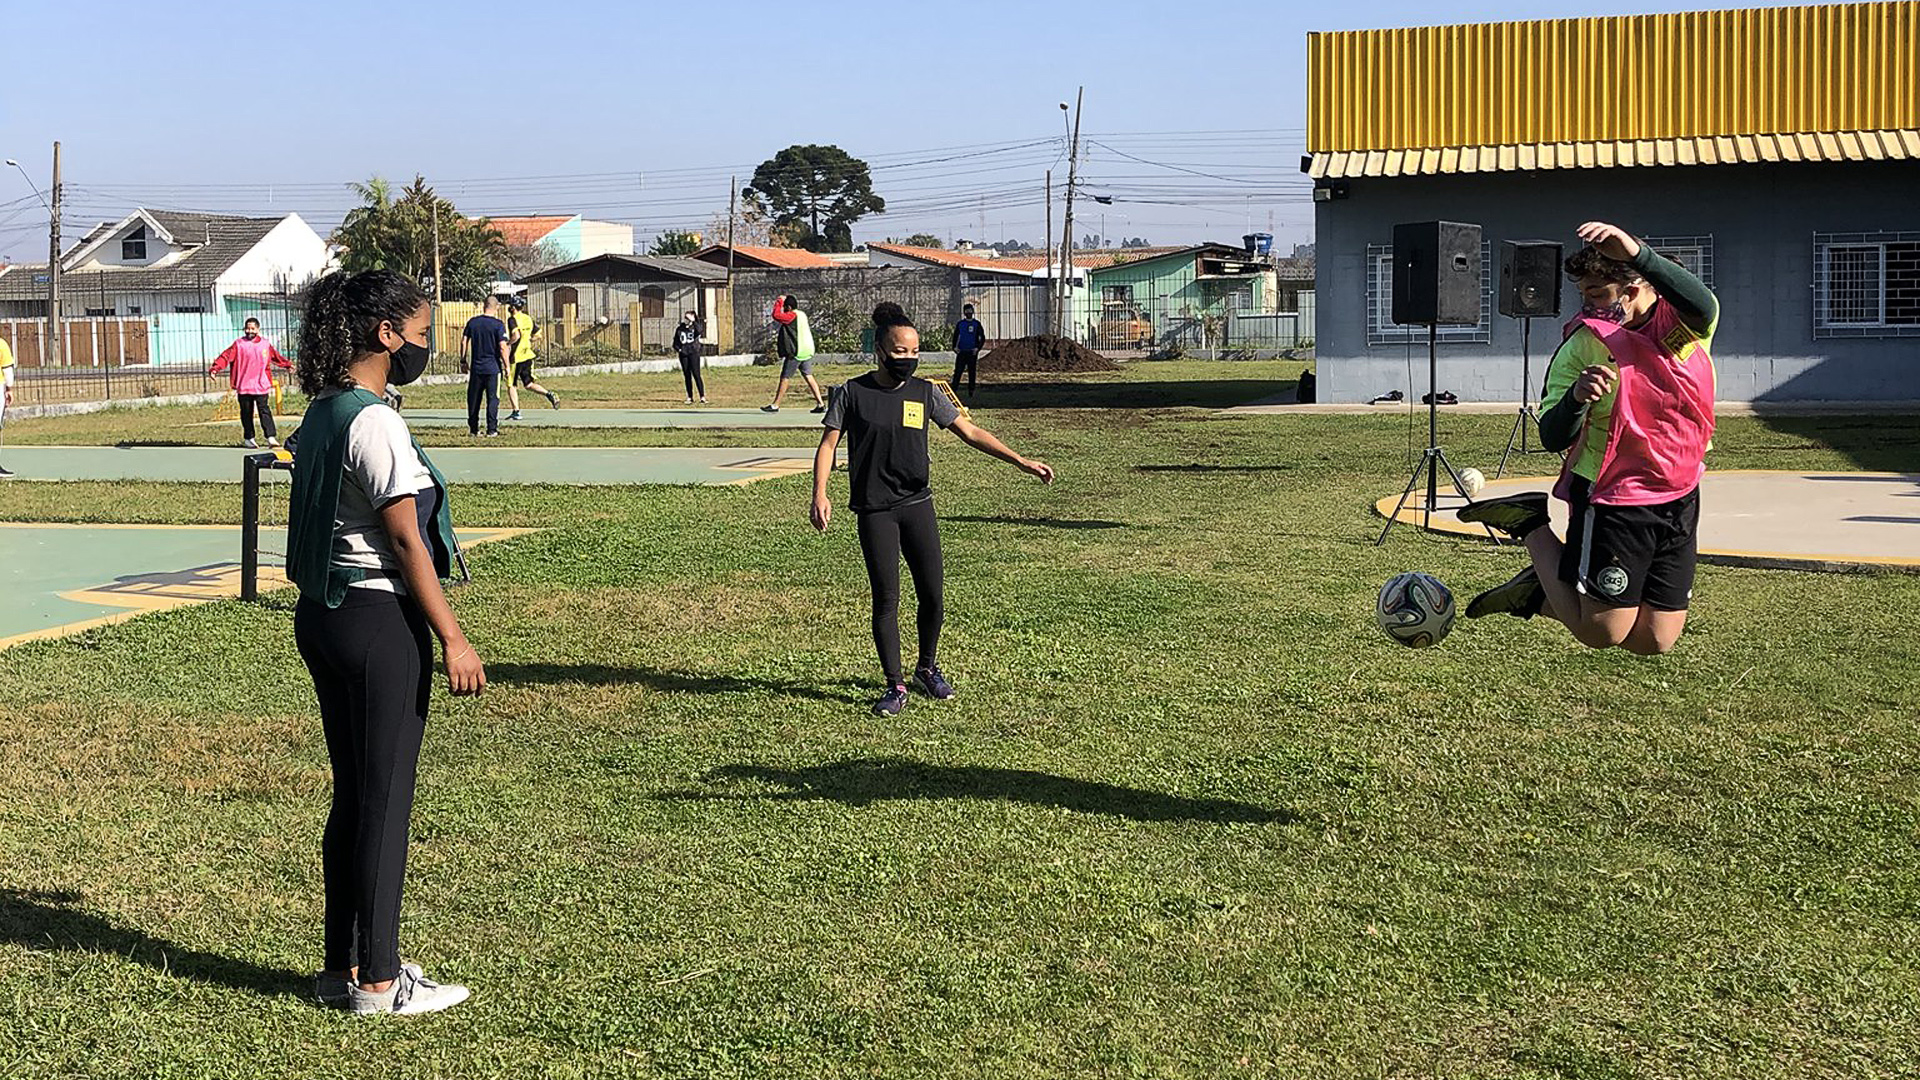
<point x="1630" y="556"/>
<point x="523" y="372"/>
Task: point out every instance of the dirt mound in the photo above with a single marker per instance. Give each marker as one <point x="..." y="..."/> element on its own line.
<point x="1044" y="352"/>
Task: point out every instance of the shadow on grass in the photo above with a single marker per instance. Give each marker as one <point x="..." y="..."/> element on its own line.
<point x="1201" y="467"/>
<point x="1045" y="523"/>
<point x="861" y="781"/>
<point x="1875" y="442"/>
<point x="50" y="922"/>
<point x="685" y="682"/>
<point x="1011" y="392"/>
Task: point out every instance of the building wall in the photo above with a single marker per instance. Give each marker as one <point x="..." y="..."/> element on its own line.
<point x="603" y="238"/>
<point x="1761" y="218"/>
<point x="292" y="254"/>
<point x="1170" y="291"/>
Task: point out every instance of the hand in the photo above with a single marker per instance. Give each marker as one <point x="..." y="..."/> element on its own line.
<point x="466" y="676"/>
<point x="1594" y="383"/>
<point x="822" y="512"/>
<point x="1037" y="468"/>
<point x="463" y="367"/>
<point x="9" y="393"/>
<point x="1613" y="241"/>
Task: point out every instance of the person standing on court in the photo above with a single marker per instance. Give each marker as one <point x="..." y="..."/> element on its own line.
<point x="686" y="342"/>
<point x="251" y="359"/>
<point x="520" y="348"/>
<point x="968" y="336"/>
<point x="486" y="357"/>
<point x="369" y="538"/>
<point x="884" y="415"/>
<point x="793" y="343"/>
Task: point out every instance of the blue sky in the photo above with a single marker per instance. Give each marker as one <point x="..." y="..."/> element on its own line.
<point x="639" y="111"/>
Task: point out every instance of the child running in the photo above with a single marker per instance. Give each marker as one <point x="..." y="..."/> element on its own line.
<point x="369" y="538"/>
<point x="252" y="359"/>
<point x="884" y="415"/>
<point x="1631" y="389"/>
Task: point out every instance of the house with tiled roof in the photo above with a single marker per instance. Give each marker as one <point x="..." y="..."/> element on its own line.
<point x="755" y="257"/>
<point x="568" y="239"/>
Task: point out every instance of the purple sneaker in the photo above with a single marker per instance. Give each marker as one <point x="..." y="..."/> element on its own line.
<point x="892" y="702"/>
<point x="933" y="682"/>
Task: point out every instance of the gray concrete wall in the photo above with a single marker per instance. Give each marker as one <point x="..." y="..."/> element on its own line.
<point x="1761" y="217"/>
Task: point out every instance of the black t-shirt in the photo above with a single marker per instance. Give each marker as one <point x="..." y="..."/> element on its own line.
<point x="886" y="433"/>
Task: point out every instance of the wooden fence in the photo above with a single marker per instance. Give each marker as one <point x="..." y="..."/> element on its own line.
<point x="98" y="341"/>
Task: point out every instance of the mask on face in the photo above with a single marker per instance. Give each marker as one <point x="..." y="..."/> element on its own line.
<point x="901" y="367"/>
<point x="1615" y="312"/>
<point x="408" y="362"/>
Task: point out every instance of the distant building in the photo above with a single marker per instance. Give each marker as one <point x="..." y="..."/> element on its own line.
<point x="637" y="298"/>
<point x="751" y="257"/>
<point x="568" y="238"/>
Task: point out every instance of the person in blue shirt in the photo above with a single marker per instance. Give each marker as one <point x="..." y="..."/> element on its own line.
<point x="485" y="360"/>
<point x="968" y="336"/>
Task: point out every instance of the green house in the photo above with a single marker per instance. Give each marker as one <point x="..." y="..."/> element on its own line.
<point x="1196" y="297"/>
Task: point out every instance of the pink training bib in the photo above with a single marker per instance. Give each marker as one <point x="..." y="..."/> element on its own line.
<point x="1662" y="412"/>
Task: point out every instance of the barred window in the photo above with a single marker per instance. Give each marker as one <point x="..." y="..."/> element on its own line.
<point x="1382" y="330"/>
<point x="1866" y="285"/>
<point x="1693" y="253"/>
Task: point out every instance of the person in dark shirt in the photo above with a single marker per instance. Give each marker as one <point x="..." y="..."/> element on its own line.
<point x="686" y="343"/>
<point x="486" y="358"/>
<point x="968" y="336"/>
<point x="884" y="416"/>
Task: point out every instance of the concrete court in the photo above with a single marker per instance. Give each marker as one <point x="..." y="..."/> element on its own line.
<point x="691" y="416"/>
<point x="1829" y="521"/>
<point x="461" y="464"/>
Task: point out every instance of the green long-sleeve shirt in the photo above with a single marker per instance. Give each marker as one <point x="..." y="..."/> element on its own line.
<point x="1560" y="425"/>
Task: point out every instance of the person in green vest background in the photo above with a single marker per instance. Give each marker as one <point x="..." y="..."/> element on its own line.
<point x="369" y="538"/>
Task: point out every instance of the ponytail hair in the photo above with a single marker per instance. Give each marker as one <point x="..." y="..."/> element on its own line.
<point x="886" y="318"/>
<point x="342" y="323"/>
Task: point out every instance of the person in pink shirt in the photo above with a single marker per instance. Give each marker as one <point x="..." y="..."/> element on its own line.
<point x="251" y="360"/>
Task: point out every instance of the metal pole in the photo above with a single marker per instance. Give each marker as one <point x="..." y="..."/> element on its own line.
<point x="249" y="528"/>
<point x="1053" y="319"/>
<point x="1073" y="170"/>
<point x="733" y="193"/>
<point x="58" y="349"/>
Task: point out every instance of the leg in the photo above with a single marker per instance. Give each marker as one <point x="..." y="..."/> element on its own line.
<point x="880" y="548"/>
<point x="513" y="394"/>
<point x="699" y="381"/>
<point x="319" y="632"/>
<point x="806" y="372"/>
<point x="920" y="543"/>
<point x="493" y="403"/>
<point x="265" y="404"/>
<point x="1669" y="580"/>
<point x="246" y="415"/>
<point x="780" y="390"/>
<point x="473" y="402"/>
<point x="1655" y="632"/>
<point x="686" y="374"/>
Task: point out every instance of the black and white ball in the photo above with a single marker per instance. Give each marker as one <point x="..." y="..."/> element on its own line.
<point x="1415" y="610"/>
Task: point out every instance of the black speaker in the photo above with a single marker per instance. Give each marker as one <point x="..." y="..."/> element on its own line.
<point x="1529" y="278"/>
<point x="1436" y="274"/>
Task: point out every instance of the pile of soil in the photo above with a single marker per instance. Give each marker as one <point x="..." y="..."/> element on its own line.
<point x="1044" y="352"/>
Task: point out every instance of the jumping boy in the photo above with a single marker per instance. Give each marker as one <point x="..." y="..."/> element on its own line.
<point x="1631" y="389"/>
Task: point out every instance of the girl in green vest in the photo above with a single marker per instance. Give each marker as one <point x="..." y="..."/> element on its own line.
<point x="369" y="538"/>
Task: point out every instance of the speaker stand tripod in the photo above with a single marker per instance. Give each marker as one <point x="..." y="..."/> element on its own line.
<point x="1432" y="459"/>
<point x="1517" y="441"/>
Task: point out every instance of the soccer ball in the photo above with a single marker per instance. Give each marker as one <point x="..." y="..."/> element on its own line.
<point x="1415" y="610"/>
<point x="1472" y="480"/>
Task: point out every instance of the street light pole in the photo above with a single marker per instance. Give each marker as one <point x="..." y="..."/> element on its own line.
<point x="51" y="354"/>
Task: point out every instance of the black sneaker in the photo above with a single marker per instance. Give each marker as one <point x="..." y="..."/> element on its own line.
<point x="1515" y="515"/>
<point x="933" y="682"/>
<point x="514" y="415"/>
<point x="553" y="399"/>
<point x="818" y="408"/>
<point x="1521" y="597"/>
<point x="769" y="408"/>
<point x="5" y="473"/>
<point x="891" y="702"/>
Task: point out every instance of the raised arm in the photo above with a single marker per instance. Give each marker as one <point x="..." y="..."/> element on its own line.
<point x="984" y="441"/>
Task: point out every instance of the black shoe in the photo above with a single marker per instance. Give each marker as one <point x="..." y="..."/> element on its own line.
<point x="1521" y="597"/>
<point x="1515" y="515"/>
<point x="819" y="408"/>
<point x="933" y="682"/>
<point x="553" y="399"/>
<point x="5" y="473"/>
<point x="891" y="702"/>
<point x="769" y="408"/>
<point x="1391" y="395"/>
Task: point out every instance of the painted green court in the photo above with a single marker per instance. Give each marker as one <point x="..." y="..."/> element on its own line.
<point x="539" y="415"/>
<point x="461" y="464"/>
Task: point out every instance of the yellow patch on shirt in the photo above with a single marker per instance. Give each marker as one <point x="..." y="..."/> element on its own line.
<point x="913" y="414"/>
<point x="1681" y="343"/>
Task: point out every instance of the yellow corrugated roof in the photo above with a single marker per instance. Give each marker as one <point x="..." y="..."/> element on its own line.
<point x="1660" y="83"/>
<point x="1715" y="150"/>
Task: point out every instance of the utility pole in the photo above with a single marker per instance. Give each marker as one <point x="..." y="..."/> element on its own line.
<point x="55" y="347"/>
<point x="733" y="193"/>
<point x="1053" y="279"/>
<point x="436" y="258"/>
<point x="1073" y="170"/>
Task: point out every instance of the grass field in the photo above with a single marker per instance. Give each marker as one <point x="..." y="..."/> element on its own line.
<point x="1191" y="815"/>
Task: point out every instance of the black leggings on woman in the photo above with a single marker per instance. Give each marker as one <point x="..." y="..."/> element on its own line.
<point x="690" y="370"/>
<point x="372" y="664"/>
<point x="885" y="536"/>
<point x="250" y="404"/>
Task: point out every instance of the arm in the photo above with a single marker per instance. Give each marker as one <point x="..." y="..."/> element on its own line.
<point x="273" y="355"/>
<point x="465" y="674"/>
<point x="1698" y="308"/>
<point x="822" y="469"/>
<point x="983" y="440"/>
<point x="781" y="313"/>
<point x="1580" y="374"/>
<point x="225" y="360"/>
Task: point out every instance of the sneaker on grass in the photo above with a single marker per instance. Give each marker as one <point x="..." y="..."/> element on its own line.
<point x="1515" y="515"/>
<point x="553" y="399"/>
<point x="891" y="702"/>
<point x="1521" y="596"/>
<point x="411" y="994"/>
<point x="933" y="682"/>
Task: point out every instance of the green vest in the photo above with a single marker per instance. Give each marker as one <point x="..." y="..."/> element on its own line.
<point x="318" y="467"/>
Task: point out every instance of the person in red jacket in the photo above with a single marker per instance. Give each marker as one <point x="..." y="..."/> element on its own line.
<point x="789" y="319"/>
<point x="252" y="358"/>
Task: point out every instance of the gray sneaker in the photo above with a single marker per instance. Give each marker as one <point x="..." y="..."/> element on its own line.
<point x="412" y="993"/>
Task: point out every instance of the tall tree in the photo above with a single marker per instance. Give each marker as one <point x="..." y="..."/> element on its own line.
<point x="397" y="233"/>
<point x="675" y="242"/>
<point x="919" y="239"/>
<point x="822" y="188"/>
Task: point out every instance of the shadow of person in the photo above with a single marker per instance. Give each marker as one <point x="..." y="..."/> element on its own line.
<point x="1201" y="467"/>
<point x="51" y="922"/>
<point x="1042" y="522"/>
<point x="861" y="781"/>
<point x="685" y="682"/>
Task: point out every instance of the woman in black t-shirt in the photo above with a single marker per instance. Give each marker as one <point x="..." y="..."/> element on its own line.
<point x="884" y="416"/>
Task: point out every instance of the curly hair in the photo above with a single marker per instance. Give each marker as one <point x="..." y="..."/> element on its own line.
<point x="342" y="323"/>
<point x="1589" y="263"/>
<point x="888" y="317"/>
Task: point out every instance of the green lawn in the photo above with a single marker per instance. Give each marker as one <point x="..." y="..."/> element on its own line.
<point x="1191" y="816"/>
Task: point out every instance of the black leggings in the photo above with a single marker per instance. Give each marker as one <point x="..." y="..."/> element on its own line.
<point x="690" y="370"/>
<point x="372" y="664"/>
<point x="487" y="386"/>
<point x="967" y="362"/>
<point x="886" y="535"/>
<point x="262" y="402"/>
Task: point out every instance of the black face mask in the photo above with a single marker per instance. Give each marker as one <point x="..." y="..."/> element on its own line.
<point x="408" y="362"/>
<point x="901" y="367"/>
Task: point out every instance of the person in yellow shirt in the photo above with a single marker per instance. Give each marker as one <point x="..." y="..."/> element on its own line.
<point x="520" y="348"/>
<point x="6" y="393"/>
